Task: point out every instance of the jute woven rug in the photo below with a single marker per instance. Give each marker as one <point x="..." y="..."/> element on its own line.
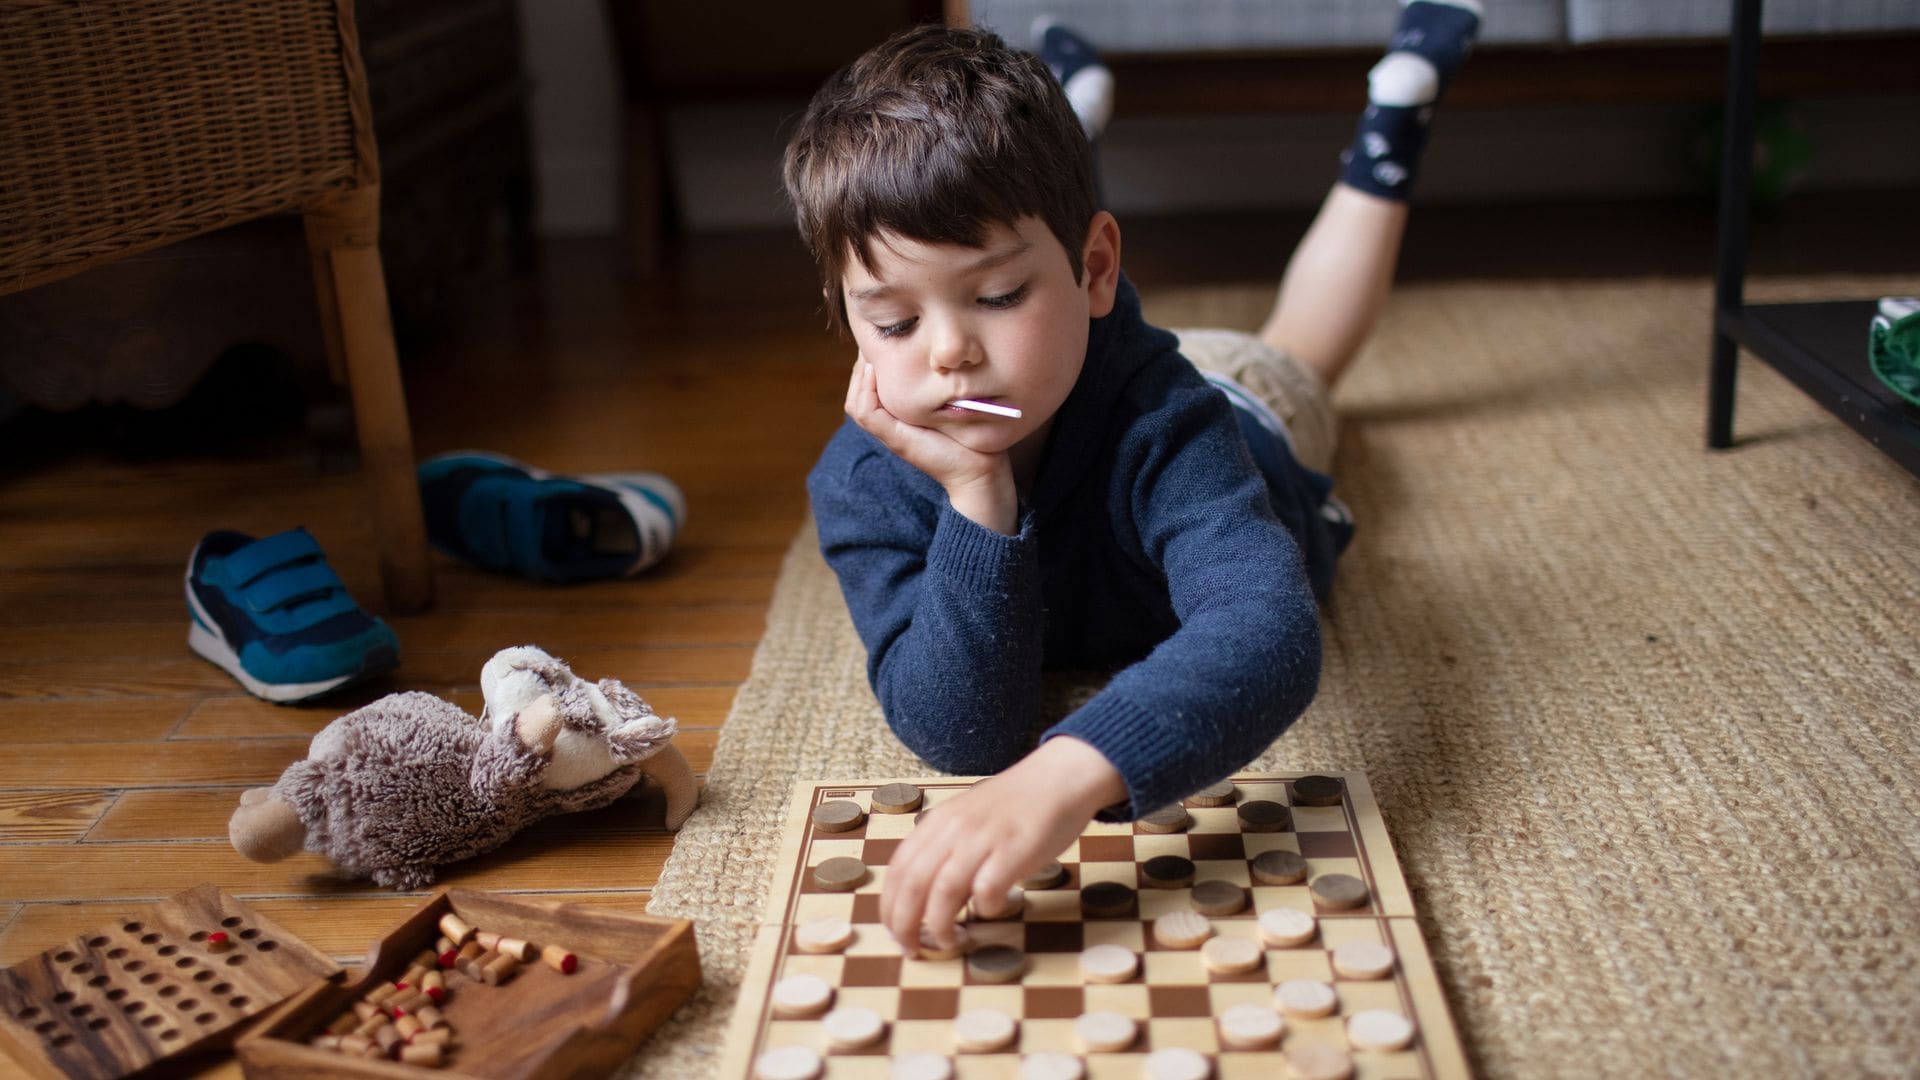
<point x="1641" y="717"/>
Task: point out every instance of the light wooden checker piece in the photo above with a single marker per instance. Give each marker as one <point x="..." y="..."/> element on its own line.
<point x="1176" y="997"/>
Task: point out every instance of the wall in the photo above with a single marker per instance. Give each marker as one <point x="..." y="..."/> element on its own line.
<point x="726" y="156"/>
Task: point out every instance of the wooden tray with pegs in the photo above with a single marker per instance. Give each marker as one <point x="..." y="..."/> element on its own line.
<point x="153" y="987"/>
<point x="146" y="993"/>
<point x="633" y="972"/>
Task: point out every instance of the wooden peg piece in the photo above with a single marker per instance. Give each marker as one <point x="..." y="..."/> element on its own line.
<point x="560" y="959"/>
<point x="425" y="1055"/>
<point x="457" y="929"/>
<point x="499" y="969"/>
<point x="343" y="1023"/>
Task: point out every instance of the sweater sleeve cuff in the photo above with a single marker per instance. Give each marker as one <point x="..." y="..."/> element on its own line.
<point x="1140" y="748"/>
<point x="977" y="558"/>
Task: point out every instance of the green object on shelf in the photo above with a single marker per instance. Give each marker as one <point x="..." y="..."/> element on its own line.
<point x="1893" y="346"/>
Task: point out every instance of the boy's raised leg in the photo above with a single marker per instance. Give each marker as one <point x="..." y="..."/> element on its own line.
<point x="1337" y="280"/>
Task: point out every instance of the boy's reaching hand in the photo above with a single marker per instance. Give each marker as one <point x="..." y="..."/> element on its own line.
<point x="978" y="845"/>
<point x="980" y="486"/>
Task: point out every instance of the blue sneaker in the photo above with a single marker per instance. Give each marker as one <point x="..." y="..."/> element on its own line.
<point x="507" y="515"/>
<point x="275" y="616"/>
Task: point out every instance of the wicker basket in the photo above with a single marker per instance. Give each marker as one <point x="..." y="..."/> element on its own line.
<point x="129" y="124"/>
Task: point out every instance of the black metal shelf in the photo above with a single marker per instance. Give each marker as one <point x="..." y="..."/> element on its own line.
<point x="1821" y="348"/>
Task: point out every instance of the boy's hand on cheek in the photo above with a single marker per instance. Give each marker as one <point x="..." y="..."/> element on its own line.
<point x="978" y="845"/>
<point x="979" y="485"/>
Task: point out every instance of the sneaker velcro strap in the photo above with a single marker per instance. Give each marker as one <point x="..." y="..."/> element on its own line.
<point x="493" y="509"/>
<point x="257" y="558"/>
<point x="280" y="589"/>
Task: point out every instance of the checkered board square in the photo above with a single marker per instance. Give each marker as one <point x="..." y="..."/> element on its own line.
<point x="1174" y="998"/>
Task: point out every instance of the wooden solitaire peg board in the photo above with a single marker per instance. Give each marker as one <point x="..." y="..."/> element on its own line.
<point x="633" y="972"/>
<point x="1175" y="999"/>
<point x="151" y="987"/>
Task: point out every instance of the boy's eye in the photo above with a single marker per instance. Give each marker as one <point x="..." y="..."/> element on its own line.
<point x="1004" y="300"/>
<point x="892" y="330"/>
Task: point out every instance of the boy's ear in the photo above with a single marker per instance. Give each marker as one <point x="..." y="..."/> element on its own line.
<point x="1100" y="262"/>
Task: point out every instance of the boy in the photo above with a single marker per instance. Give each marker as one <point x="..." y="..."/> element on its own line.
<point x="1111" y="507"/>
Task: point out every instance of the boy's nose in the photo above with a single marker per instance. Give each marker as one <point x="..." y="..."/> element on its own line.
<point x="953" y="347"/>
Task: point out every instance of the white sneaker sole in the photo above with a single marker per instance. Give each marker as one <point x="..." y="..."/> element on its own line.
<point x="211" y="646"/>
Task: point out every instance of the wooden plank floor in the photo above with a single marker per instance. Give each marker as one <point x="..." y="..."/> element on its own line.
<point x="121" y="753"/>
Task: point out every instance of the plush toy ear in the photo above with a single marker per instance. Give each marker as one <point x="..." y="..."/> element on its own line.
<point x="627" y="705"/>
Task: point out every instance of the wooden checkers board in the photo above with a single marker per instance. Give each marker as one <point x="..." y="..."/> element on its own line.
<point x="152" y="987"/>
<point x="1174" y="997"/>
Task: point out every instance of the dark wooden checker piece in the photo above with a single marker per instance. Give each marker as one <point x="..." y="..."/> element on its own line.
<point x="1262" y="815"/>
<point x="897" y="799"/>
<point x="1220" y="794"/>
<point x="1341" y="892"/>
<point x="1280" y="867"/>
<point x="1048" y="876"/>
<point x="1169" y="819"/>
<point x="1216" y="898"/>
<point x="1167" y="872"/>
<point x="1107" y="900"/>
<point x="842" y="873"/>
<point x="1318" y="791"/>
<point x="840" y="815"/>
<point x="996" y="964"/>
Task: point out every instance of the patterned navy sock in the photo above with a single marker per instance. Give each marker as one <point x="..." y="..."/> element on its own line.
<point x="1428" y="45"/>
<point x="1088" y="82"/>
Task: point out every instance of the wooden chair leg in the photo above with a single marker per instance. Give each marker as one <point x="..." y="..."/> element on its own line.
<point x="343" y="237"/>
<point x="649" y="185"/>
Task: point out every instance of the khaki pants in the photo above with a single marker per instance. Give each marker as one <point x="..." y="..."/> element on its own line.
<point x="1272" y="377"/>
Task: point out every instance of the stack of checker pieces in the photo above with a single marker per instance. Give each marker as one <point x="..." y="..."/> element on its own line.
<point x="1218" y="864"/>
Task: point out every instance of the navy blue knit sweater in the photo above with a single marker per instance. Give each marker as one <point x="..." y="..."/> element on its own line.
<point x="1151" y="544"/>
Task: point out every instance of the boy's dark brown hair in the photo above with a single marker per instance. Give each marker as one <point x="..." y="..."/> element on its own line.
<point x="936" y="134"/>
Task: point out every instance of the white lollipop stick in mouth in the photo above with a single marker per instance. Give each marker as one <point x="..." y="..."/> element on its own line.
<point x="986" y="407"/>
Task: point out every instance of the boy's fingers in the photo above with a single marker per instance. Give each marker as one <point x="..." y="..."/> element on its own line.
<point x="853" y="390"/>
<point x="950" y="890"/>
<point x="861" y="397"/>
<point x="908" y="902"/>
<point x="899" y="867"/>
<point x="990" y="888"/>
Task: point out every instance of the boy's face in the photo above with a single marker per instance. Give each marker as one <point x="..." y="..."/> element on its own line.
<point x="1005" y="322"/>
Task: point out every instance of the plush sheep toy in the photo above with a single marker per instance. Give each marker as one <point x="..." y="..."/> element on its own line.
<point x="410" y="782"/>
